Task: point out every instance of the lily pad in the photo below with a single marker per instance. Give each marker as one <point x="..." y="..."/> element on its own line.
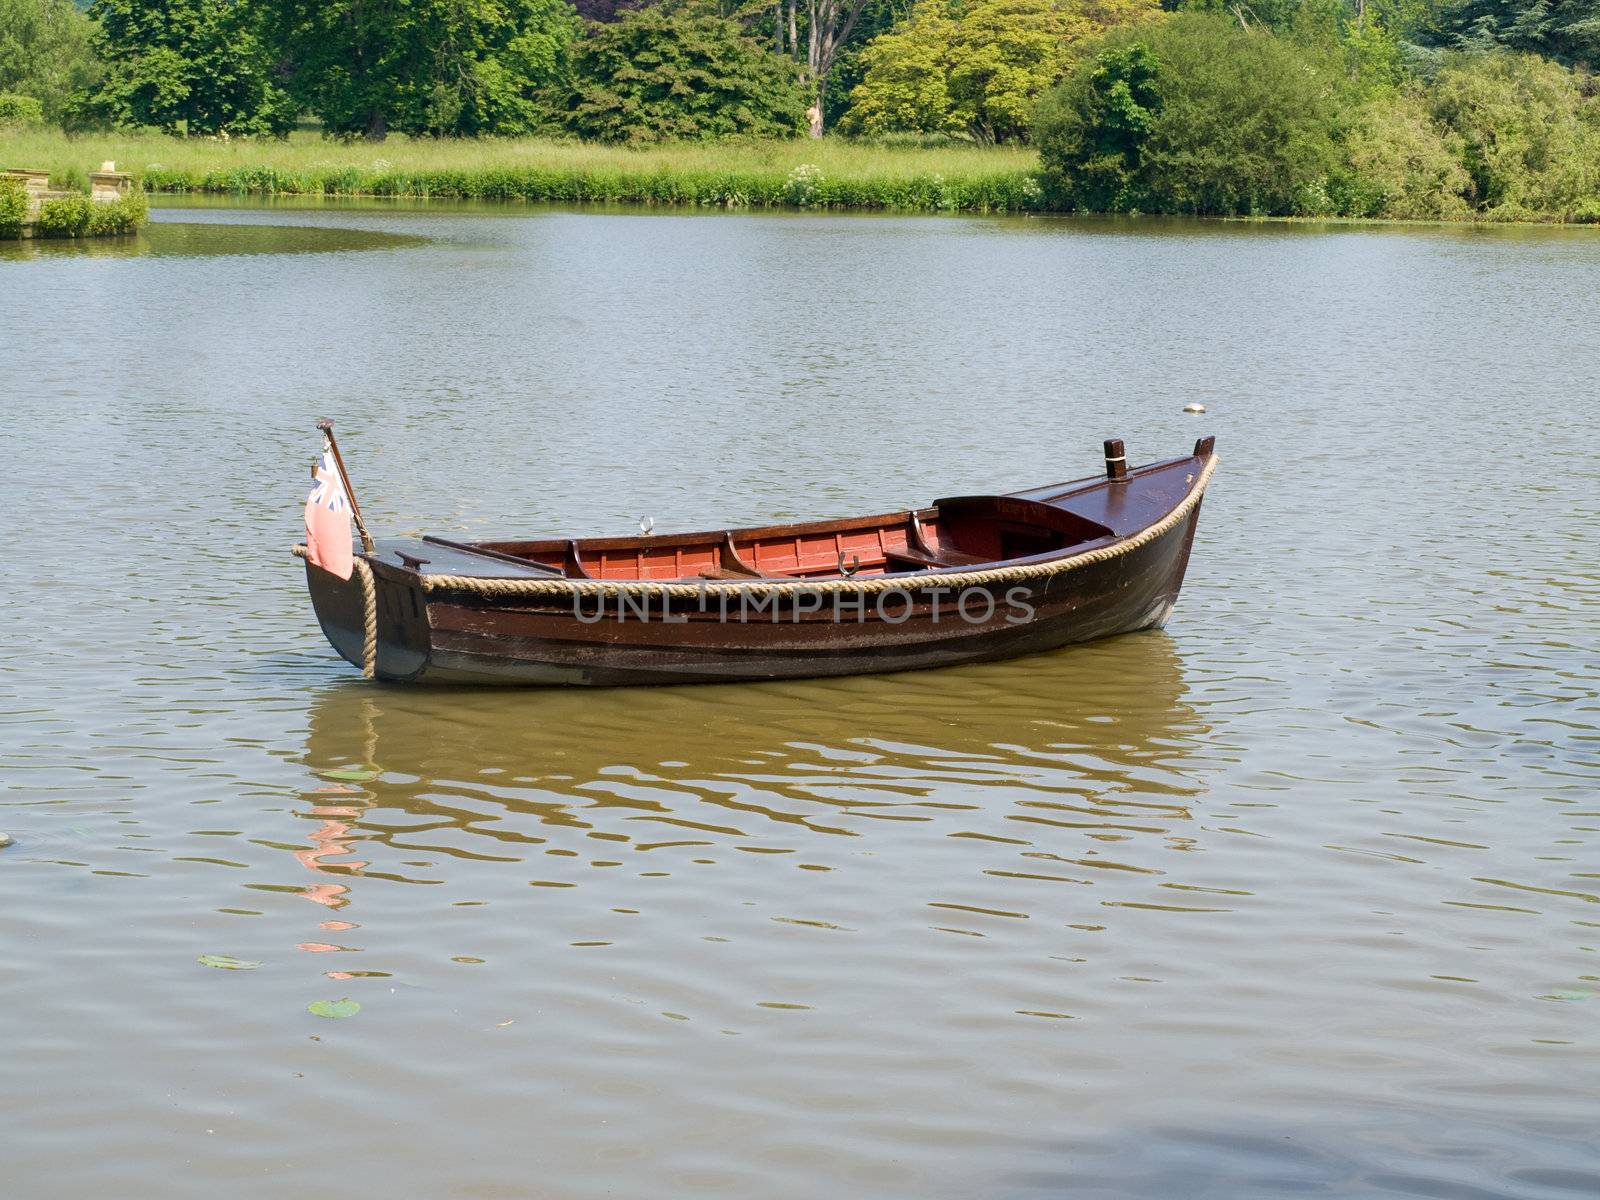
<point x="226" y="962"/>
<point x="1574" y="995"/>
<point x="337" y="1009"/>
<point x="352" y="774"/>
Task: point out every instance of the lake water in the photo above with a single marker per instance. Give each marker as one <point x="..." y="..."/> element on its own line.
<point x="1298" y="896"/>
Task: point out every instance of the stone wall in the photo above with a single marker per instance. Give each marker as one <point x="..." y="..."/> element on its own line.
<point x="106" y="186"/>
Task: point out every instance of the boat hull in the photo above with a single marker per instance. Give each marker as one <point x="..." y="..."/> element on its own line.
<point x="727" y="632"/>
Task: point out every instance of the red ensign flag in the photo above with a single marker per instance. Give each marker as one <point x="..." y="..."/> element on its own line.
<point x="328" y="520"/>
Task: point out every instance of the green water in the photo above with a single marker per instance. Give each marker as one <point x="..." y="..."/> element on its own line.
<point x="1299" y="895"/>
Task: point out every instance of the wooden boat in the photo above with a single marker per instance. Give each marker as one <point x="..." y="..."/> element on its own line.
<point x="969" y="578"/>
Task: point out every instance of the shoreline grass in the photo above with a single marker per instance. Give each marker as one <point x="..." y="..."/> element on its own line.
<point x="801" y="174"/>
<point x="831" y="173"/>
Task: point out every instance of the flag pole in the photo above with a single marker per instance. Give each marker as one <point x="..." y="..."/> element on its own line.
<point x="344" y="476"/>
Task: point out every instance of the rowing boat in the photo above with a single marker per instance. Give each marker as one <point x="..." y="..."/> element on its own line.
<point x="965" y="579"/>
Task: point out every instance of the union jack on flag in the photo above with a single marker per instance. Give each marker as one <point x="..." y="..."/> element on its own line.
<point x="328" y="518"/>
<point x="328" y="491"/>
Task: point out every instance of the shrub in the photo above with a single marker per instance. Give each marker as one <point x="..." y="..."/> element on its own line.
<point x="658" y="76"/>
<point x="1399" y="164"/>
<point x="1530" y="137"/>
<point x="79" y="216"/>
<point x="126" y="214"/>
<point x="1193" y="115"/>
<point x="13" y="206"/>
<point x="20" y="110"/>
<point x="66" y="217"/>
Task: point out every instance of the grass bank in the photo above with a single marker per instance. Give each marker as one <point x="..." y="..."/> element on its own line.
<point x="798" y="174"/>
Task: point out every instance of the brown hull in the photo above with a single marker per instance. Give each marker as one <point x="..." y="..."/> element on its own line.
<point x="726" y="631"/>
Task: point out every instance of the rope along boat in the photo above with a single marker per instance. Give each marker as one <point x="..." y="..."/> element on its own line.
<point x="966" y="579"/>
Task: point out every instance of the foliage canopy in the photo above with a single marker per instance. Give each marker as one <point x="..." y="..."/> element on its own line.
<point x="660" y="75"/>
<point x="45" y="52"/>
<point x="976" y="66"/>
<point x="194" y="66"/>
<point x="1566" y="30"/>
<point x="1528" y="130"/>
<point x="1192" y="115"/>
<point x="426" y="67"/>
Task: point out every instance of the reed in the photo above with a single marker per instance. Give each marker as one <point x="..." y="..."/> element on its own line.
<point x="831" y="173"/>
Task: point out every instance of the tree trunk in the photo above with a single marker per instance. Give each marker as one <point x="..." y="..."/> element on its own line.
<point x="831" y="24"/>
<point x="377" y="126"/>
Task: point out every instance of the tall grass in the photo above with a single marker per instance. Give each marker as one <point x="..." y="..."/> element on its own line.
<point x="794" y="174"/>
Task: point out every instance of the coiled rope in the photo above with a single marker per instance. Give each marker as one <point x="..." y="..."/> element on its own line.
<point x="369" y="613"/>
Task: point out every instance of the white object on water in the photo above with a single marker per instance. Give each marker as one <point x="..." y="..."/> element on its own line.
<point x="646" y="526"/>
<point x="1194" y="408"/>
<point x="5" y="840"/>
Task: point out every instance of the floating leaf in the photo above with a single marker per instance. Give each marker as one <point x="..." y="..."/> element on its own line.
<point x="337" y="1009"/>
<point x="1574" y="995"/>
<point x="352" y="774"/>
<point x="225" y="962"/>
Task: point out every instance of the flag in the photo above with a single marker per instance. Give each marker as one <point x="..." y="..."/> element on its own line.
<point x="328" y="519"/>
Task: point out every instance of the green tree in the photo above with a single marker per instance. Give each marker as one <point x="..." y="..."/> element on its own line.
<point x="1097" y="129"/>
<point x="977" y="65"/>
<point x="1373" y="35"/>
<point x="426" y="67"/>
<point x="1210" y="118"/>
<point x="1567" y="30"/>
<point x="1398" y="162"/>
<point x="661" y="75"/>
<point x="45" y="52"/>
<point x="877" y="17"/>
<point x="196" y="66"/>
<point x="1530" y="133"/>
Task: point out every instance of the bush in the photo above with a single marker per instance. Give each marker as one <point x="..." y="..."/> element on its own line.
<point x="66" y="217"/>
<point x="124" y="215"/>
<point x="20" y="110"/>
<point x="657" y="76"/>
<point x="79" y="216"/>
<point x="1193" y="115"/>
<point x="1399" y="164"/>
<point x="13" y="206"/>
<point x="1529" y="136"/>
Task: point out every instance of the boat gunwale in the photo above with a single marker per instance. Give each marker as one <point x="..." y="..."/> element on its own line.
<point x="486" y="585"/>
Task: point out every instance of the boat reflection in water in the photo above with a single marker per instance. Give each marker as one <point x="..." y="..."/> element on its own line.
<point x="1094" y="738"/>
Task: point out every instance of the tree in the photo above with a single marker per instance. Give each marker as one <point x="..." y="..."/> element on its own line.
<point x="658" y="75"/>
<point x="876" y="17"/>
<point x="195" y="66"/>
<point x="1399" y="163"/>
<point x="977" y="65"/>
<point x="1566" y="30"/>
<point x="46" y="52"/>
<point x="1094" y="133"/>
<point x="1210" y="118"/>
<point x="426" y="67"/>
<point x="1530" y="135"/>
<point x="829" y="24"/>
